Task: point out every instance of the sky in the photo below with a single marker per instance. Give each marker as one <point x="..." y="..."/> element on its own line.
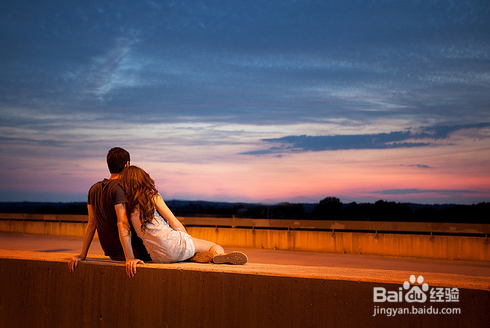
<point x="248" y="101"/>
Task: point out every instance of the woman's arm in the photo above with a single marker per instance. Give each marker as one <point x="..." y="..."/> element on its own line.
<point x="168" y="215"/>
<point x="124" y="230"/>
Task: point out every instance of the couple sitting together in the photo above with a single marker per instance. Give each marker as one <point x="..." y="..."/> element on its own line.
<point x="134" y="224"/>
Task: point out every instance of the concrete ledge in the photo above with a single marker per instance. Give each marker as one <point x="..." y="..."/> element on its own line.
<point x="37" y="290"/>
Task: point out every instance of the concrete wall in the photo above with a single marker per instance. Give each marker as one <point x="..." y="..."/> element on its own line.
<point x="38" y="291"/>
<point x="476" y="247"/>
<point x="404" y="245"/>
<point x="65" y="229"/>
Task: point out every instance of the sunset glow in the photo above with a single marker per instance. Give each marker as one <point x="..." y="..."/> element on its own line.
<point x="222" y="102"/>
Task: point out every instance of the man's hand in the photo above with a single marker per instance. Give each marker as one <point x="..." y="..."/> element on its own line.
<point x="73" y="262"/>
<point x="131" y="267"/>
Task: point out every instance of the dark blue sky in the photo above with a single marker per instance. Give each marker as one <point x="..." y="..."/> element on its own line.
<point x="246" y="87"/>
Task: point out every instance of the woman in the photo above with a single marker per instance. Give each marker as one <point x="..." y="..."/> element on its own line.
<point x="162" y="233"/>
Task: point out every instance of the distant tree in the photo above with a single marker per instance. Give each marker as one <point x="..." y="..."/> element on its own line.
<point x="358" y="212"/>
<point x="46" y="209"/>
<point x="391" y="211"/>
<point x="76" y="209"/>
<point x="481" y="212"/>
<point x="425" y="213"/>
<point x="328" y="208"/>
<point x="257" y="211"/>
<point x="288" y="211"/>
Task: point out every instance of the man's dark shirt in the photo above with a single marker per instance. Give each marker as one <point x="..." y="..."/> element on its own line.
<point x="103" y="196"/>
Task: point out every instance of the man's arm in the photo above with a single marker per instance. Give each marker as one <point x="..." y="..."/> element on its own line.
<point x="87" y="240"/>
<point x="124" y="230"/>
<point x="168" y="215"/>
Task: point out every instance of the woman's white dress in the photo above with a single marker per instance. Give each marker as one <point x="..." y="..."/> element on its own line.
<point x="164" y="244"/>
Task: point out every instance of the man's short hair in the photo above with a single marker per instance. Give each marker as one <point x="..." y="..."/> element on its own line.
<point x="117" y="159"/>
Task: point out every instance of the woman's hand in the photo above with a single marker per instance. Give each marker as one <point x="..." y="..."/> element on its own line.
<point x="131" y="267"/>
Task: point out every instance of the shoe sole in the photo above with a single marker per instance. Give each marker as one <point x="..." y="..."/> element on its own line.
<point x="236" y="258"/>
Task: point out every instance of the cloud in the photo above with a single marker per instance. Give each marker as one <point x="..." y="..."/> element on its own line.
<point x="396" y="139"/>
<point x="422" y="166"/>
<point x="423" y="191"/>
<point x="240" y="61"/>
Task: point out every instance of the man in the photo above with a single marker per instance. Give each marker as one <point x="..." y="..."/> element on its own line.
<point x="107" y="214"/>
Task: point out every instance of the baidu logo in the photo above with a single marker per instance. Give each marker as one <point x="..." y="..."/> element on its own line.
<point x="416" y="293"/>
<point x="409" y="293"/>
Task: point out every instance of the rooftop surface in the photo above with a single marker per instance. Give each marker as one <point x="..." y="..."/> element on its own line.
<point x="449" y="273"/>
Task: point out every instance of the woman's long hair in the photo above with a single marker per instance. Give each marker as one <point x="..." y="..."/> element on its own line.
<point x="140" y="193"/>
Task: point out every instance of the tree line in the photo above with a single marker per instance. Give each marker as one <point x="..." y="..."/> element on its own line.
<point x="329" y="208"/>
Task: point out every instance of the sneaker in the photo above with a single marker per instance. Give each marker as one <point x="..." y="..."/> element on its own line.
<point x="237" y="258"/>
<point x="202" y="257"/>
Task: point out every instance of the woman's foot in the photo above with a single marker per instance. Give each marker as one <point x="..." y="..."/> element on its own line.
<point x="202" y="257"/>
<point x="237" y="258"/>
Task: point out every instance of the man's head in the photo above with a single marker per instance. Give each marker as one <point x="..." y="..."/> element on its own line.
<point x="117" y="159"/>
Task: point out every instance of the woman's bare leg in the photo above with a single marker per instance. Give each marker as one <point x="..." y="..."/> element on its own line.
<point x="207" y="251"/>
<point x="202" y="245"/>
